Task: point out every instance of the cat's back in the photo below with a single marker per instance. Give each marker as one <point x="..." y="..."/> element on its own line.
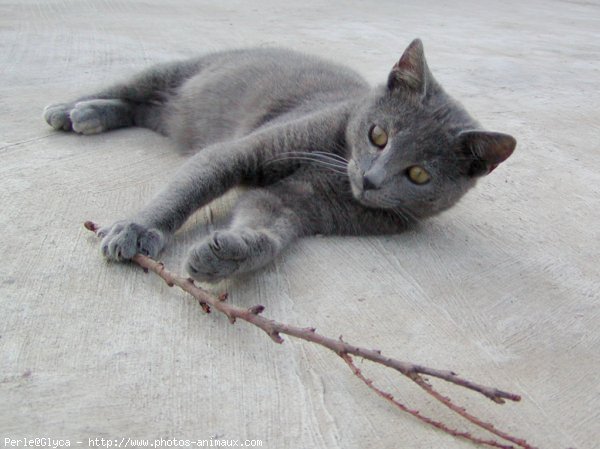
<point x="273" y="69"/>
<point x="237" y="91"/>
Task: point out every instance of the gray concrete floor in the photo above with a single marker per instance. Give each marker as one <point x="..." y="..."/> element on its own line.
<point x="504" y="288"/>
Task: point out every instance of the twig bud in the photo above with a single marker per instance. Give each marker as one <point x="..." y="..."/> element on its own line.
<point x="205" y="307"/>
<point x="275" y="337"/>
<point x="90" y="226"/>
<point x="256" y="309"/>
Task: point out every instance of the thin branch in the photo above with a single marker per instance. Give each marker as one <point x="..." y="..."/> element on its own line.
<point x="413" y="371"/>
<point x="469" y="417"/>
<point x="416" y="413"/>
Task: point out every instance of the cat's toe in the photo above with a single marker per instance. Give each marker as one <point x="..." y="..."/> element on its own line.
<point x="150" y="242"/>
<point x="217" y="257"/>
<point x="123" y="240"/>
<point x="58" y="116"/>
<point x="86" y="118"/>
<point x="228" y="245"/>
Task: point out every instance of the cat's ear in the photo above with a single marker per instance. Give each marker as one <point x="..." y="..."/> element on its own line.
<point x="488" y="149"/>
<point x="411" y="71"/>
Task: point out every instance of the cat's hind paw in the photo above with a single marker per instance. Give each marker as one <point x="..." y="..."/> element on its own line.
<point x="58" y="116"/>
<point x="125" y="239"/>
<point x="88" y="116"/>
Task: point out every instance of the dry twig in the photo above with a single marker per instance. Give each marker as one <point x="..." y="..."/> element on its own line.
<point x="345" y="350"/>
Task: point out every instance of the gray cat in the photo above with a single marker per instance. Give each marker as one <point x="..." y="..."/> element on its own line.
<point x="326" y="153"/>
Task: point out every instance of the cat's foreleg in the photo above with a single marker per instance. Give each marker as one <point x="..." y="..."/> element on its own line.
<point x="262" y="226"/>
<point x="204" y="177"/>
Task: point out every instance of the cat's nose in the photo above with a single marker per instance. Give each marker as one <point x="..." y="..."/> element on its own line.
<point x="369" y="183"/>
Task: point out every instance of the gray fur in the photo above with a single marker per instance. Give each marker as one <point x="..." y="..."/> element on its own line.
<point x="296" y="128"/>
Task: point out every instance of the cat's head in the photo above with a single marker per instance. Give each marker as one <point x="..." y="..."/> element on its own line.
<point x="414" y="148"/>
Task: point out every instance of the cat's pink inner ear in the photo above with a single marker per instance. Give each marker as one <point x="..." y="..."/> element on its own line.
<point x="490" y="147"/>
<point x="412" y="57"/>
<point x="410" y="70"/>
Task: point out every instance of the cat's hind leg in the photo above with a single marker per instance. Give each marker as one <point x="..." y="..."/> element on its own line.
<point x="261" y="228"/>
<point x="137" y="102"/>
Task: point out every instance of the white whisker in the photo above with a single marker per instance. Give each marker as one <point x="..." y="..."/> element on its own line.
<point x="337" y="167"/>
<point x="331" y="156"/>
<point x="333" y="163"/>
<point x="317" y="155"/>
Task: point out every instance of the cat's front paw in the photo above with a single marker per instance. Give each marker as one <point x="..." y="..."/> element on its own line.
<point x="218" y="256"/>
<point x="125" y="239"/>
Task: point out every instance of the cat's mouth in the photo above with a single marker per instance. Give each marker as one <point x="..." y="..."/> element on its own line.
<point x="365" y="197"/>
<point x="366" y="202"/>
<point x="370" y="200"/>
<point x="374" y="199"/>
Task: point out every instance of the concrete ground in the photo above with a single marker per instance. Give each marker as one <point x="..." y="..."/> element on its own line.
<point x="504" y="288"/>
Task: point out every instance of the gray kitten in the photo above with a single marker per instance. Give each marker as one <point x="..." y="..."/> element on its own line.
<point x="326" y="153"/>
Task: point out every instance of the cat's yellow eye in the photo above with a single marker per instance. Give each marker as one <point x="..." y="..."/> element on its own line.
<point x="418" y="175"/>
<point x="378" y="136"/>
